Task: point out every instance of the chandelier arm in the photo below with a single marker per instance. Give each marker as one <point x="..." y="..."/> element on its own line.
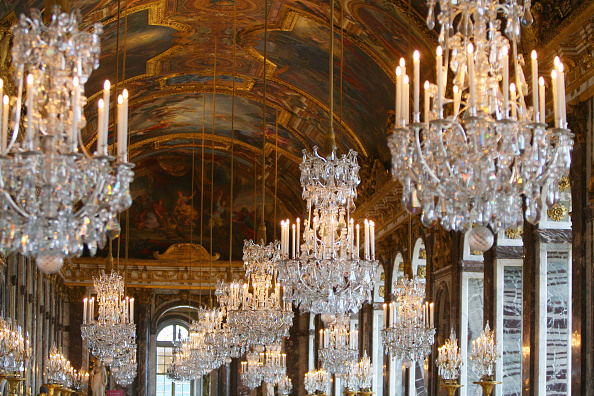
<point x="422" y="158"/>
<point x="83" y="210"/>
<point x="17" y="208"/>
<point x="17" y="111"/>
<point x="82" y="145"/>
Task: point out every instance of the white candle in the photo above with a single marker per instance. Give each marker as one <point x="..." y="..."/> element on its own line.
<point x="457" y="99"/>
<point x="123" y="126"/>
<point x="398" y="110"/>
<point x="534" y="57"/>
<point x="555" y="100"/>
<point x="106" y="92"/>
<point x="372" y="232"/>
<point x="294" y="235"/>
<point x="131" y="310"/>
<point x="85" y="302"/>
<point x="29" y="134"/>
<point x="403" y="110"/>
<point x="75" y="113"/>
<point x="92" y="310"/>
<point x="5" y="101"/>
<point x="512" y="90"/>
<point x="562" y="106"/>
<point x="101" y="133"/>
<point x="358" y="234"/>
<point x="431" y="314"/>
<point x="541" y="100"/>
<point x="298" y="235"/>
<point x="366" y="250"/>
<point x="427" y="97"/>
<point x="385" y="315"/>
<point x="470" y="50"/>
<point x="505" y="82"/>
<point x="406" y="114"/>
<point x="417" y="74"/>
<point x="439" y="69"/>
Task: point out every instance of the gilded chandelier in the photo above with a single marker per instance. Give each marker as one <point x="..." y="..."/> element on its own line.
<point x="475" y="155"/>
<point x="14" y="349"/>
<point x="408" y="322"/>
<point x="112" y="335"/>
<point x="338" y="345"/>
<point x="449" y="359"/>
<point x="484" y="353"/>
<point x="322" y="268"/>
<point x="56" y="197"/>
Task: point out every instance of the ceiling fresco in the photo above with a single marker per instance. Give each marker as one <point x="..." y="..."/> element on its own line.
<point x="167" y="54"/>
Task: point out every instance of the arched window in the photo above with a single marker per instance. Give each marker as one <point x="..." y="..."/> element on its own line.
<point x="165" y="339"/>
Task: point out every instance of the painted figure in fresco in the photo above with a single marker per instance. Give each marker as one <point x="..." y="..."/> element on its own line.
<point x="245" y="223"/>
<point x="182" y="212"/>
<point x="98" y="379"/>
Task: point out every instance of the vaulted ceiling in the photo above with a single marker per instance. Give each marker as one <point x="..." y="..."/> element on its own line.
<point x="166" y="53"/>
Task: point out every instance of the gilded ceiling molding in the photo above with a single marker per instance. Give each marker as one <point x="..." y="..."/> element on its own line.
<point x="186" y="252"/>
<point x="287" y="23"/>
<point x="246" y="86"/>
<point x="284" y="114"/>
<point x="156" y="17"/>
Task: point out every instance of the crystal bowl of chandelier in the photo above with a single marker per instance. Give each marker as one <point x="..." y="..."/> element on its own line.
<point x="472" y="157"/>
<point x="338" y="345"/>
<point x="408" y="332"/>
<point x="317" y="381"/>
<point x="449" y="359"/>
<point x="112" y="335"/>
<point x="58" y="369"/>
<point x="14" y="349"/>
<point x="56" y="196"/>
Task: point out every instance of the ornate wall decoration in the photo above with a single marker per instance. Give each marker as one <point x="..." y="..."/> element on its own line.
<point x="382" y="291"/>
<point x="423" y="254"/>
<point x="422" y="271"/>
<point x="442" y="250"/>
<point x="564" y="183"/>
<point x="557" y="212"/>
<point x="514" y="233"/>
<point x="186" y="252"/>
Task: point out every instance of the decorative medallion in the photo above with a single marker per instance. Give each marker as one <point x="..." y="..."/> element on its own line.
<point x="423" y="254"/>
<point x="558" y="212"/>
<point x="514" y="233"/>
<point x="422" y="271"/>
<point x="564" y="183"/>
<point x="382" y="291"/>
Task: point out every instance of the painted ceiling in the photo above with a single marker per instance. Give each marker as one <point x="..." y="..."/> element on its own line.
<point x="177" y="58"/>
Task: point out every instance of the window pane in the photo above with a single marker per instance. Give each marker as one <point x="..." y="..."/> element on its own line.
<point x="166" y="334"/>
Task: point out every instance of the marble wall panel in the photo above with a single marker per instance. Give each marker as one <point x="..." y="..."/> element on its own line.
<point x="511" y="347"/>
<point x="475" y="326"/>
<point x="557" y="323"/>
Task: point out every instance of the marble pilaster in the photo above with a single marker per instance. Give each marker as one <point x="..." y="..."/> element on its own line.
<point x="142" y="318"/>
<point x="297" y="351"/>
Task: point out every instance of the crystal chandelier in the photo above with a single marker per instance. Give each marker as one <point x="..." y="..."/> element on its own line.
<point x="322" y="269"/>
<point x="256" y="309"/>
<point x="449" y="359"/>
<point x="125" y="368"/>
<point x="365" y="373"/>
<point x="317" y="381"/>
<point x="408" y="322"/>
<point x="251" y="370"/>
<point x="474" y="156"/>
<point x="338" y="345"/>
<point x="484" y="353"/>
<point x="56" y="197"/>
<point x="285" y="386"/>
<point x="113" y="334"/>
<point x="182" y="367"/>
<point x="14" y="349"/>
<point x="58" y="370"/>
<point x="80" y="381"/>
<point x="269" y="367"/>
